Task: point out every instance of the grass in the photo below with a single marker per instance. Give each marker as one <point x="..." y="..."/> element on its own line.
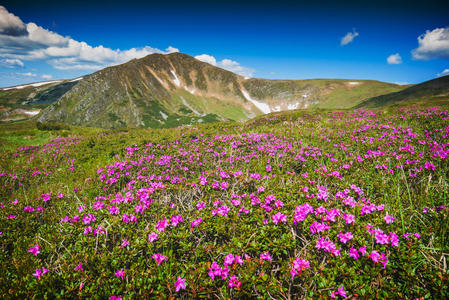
<point x="247" y="187"/>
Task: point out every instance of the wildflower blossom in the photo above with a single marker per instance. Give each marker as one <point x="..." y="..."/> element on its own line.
<point x="180" y="284"/>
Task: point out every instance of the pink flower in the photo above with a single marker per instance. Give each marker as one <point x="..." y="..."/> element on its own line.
<point x="354" y="253"/>
<point x="196" y="223"/>
<point x="265" y="256"/>
<point x="229" y="259"/>
<point x="152" y="237"/>
<point x="124" y="243"/>
<point x="175" y="220"/>
<point x="45" y="197"/>
<point x="34" y="250"/>
<point x="37" y="273"/>
<point x="261" y="190"/>
<point x="79" y="267"/>
<point x="362" y="250"/>
<point x="374" y="256"/>
<point x="180" y="284"/>
<point x="233" y="282"/>
<point x="115" y="298"/>
<point x="279" y="218"/>
<point x="389" y="219"/>
<point x="341" y="291"/>
<point x="200" y="205"/>
<point x="119" y="273"/>
<point x="299" y="265"/>
<point x="344" y="238"/>
<point x="159" y="258"/>
<point x="59" y="196"/>
<point x="161" y="225"/>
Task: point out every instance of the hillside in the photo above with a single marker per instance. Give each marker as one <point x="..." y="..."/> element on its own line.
<point x="176" y="89"/>
<point x="25" y="101"/>
<point x="435" y="91"/>
<point x="304" y="204"/>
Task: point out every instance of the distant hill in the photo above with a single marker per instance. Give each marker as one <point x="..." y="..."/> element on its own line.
<point x="435" y="91"/>
<point x="177" y="89"/>
<point x="25" y="101"/>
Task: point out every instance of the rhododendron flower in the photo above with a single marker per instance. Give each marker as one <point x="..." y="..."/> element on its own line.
<point x="354" y="253"/>
<point x="152" y="237"/>
<point x="200" y="205"/>
<point x="362" y="250"/>
<point x="119" y="273"/>
<point x="349" y="219"/>
<point x="34" y="250"/>
<point x="394" y="239"/>
<point x="261" y="189"/>
<point x="115" y="298"/>
<point x="229" y="259"/>
<point x="175" y="220"/>
<point x="159" y="258"/>
<point x="374" y="256"/>
<point x="37" y="273"/>
<point x="265" y="256"/>
<point x="161" y="225"/>
<point x="389" y="219"/>
<point x="124" y="243"/>
<point x="45" y="197"/>
<point x="381" y="237"/>
<point x="344" y="238"/>
<point x="299" y="265"/>
<point x="79" y="267"/>
<point x="279" y="218"/>
<point x="233" y="282"/>
<point x="196" y="222"/>
<point x="180" y="284"/>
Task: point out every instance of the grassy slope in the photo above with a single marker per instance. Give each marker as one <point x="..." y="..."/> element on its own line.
<point x="415" y="268"/>
<point x="432" y="92"/>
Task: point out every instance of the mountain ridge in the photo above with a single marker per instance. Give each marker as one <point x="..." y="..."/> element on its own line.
<point x="176" y="89"/>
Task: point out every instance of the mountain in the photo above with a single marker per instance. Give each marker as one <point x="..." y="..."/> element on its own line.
<point x="177" y="89"/>
<point x="26" y="101"/>
<point x="435" y="91"/>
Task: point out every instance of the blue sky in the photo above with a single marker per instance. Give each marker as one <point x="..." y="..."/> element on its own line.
<point x="47" y="40"/>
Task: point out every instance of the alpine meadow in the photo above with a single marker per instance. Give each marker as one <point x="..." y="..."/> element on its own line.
<point x="139" y="173"/>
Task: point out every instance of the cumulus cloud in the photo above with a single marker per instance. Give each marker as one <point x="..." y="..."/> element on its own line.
<point x="226" y="64"/>
<point x="349" y="37"/>
<point x="394" y="59"/>
<point x="46" y="76"/>
<point x="30" y="42"/>
<point x="10" y="24"/>
<point x="444" y="73"/>
<point x="433" y="44"/>
<point x="11" y="63"/>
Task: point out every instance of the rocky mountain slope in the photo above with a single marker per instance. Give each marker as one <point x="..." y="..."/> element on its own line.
<point x="177" y="89"/>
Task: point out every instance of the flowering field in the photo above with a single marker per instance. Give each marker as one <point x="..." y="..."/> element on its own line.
<point x="342" y="204"/>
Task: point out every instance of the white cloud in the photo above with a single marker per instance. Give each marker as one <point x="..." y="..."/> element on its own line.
<point x="28" y="74"/>
<point x="10" y="24"/>
<point x="444" y="73"/>
<point x="62" y="53"/>
<point x="11" y="63"/>
<point x="401" y="83"/>
<point x="46" y="76"/>
<point x="207" y="59"/>
<point x="226" y="64"/>
<point x="349" y="37"/>
<point x="433" y="44"/>
<point x="394" y="59"/>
